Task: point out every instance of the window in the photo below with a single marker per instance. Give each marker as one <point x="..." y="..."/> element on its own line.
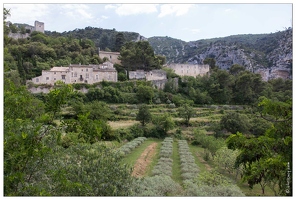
<point x="75" y="74"/>
<point x="110" y="57"/>
<point x="87" y="70"/>
<point x="37" y="79"/>
<point x="54" y="79"/>
<point x="81" y="69"/>
<point x="54" y="73"/>
<point x="47" y="78"/>
<point x="97" y="77"/>
<point x="63" y="77"/>
<point x="71" y="74"/>
<point x="87" y="75"/>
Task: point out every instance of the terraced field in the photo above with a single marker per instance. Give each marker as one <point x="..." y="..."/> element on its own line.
<point x="176" y="159"/>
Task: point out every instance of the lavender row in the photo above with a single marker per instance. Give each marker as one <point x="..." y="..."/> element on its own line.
<point x="165" y="163"/>
<point x="189" y="169"/>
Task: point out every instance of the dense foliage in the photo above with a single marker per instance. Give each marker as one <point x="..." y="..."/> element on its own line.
<point x="53" y="142"/>
<point x="268" y="158"/>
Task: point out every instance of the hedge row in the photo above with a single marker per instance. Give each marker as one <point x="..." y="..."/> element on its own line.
<point x="189" y="169"/>
<point x="165" y="163"/>
<point x="128" y="147"/>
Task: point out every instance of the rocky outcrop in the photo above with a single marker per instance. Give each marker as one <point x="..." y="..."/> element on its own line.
<point x="267" y="54"/>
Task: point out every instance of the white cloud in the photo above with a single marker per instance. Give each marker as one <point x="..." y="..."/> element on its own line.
<point x="27" y="13"/>
<point x="133" y="9"/>
<point x="76" y="11"/>
<point x="177" y="9"/>
<point x="104" y="17"/>
<point x="194" y="30"/>
<point x="110" y="6"/>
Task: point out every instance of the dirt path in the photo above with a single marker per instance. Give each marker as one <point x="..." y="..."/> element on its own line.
<point x="203" y="162"/>
<point x="144" y="160"/>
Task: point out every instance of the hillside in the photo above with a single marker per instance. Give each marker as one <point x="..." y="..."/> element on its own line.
<point x="267" y="54"/>
<point x="103" y="38"/>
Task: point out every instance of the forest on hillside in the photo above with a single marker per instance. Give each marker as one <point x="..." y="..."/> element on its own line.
<point x="225" y="134"/>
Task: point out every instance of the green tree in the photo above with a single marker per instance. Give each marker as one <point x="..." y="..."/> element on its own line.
<point x="89" y="130"/>
<point x="144" y="115"/>
<point x="267" y="159"/>
<point x="163" y="124"/>
<point x="119" y="41"/>
<point x="211" y="62"/>
<point x="28" y="135"/>
<point x="220" y="89"/>
<point x="225" y="158"/>
<point x="139" y="55"/>
<point x="186" y="112"/>
<point x="145" y="94"/>
<point x="236" y="69"/>
<point x="235" y="122"/>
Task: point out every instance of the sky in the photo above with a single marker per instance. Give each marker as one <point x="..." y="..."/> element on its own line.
<point x="184" y="21"/>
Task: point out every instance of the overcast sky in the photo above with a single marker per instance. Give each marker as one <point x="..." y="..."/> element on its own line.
<point x="188" y="22"/>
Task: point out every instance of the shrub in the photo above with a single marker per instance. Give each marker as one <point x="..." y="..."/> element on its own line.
<point x="193" y="189"/>
<point x="165" y="163"/>
<point x="189" y="169"/>
<point x="160" y="185"/>
<point x="128" y="147"/>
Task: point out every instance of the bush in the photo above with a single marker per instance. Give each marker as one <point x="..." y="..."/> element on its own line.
<point x="189" y="169"/>
<point x="136" y="130"/>
<point x="193" y="189"/>
<point x="165" y="163"/>
<point x="128" y="147"/>
<point x="160" y="185"/>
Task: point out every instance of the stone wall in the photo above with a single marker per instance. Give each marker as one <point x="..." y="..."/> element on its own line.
<point x="156" y="75"/>
<point x="112" y="56"/>
<point x="148" y="76"/>
<point x="18" y="35"/>
<point x="138" y="75"/>
<point x="190" y="69"/>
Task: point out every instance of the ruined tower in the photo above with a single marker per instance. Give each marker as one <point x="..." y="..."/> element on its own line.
<point x="39" y="26"/>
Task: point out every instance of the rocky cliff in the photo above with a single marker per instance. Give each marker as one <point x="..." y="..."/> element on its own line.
<point x="267" y="54"/>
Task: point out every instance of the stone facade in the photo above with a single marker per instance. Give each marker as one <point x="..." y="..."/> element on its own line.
<point x="112" y="56"/>
<point x="78" y="74"/>
<point x="39" y="26"/>
<point x="190" y="69"/>
<point x="148" y="76"/>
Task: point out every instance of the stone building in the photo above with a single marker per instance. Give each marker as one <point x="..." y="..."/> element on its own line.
<point x="38" y="26"/>
<point x="78" y="74"/>
<point x="148" y="76"/>
<point x="112" y="56"/>
<point x="190" y="69"/>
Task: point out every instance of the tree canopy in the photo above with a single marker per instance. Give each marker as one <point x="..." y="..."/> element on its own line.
<point x="140" y="55"/>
